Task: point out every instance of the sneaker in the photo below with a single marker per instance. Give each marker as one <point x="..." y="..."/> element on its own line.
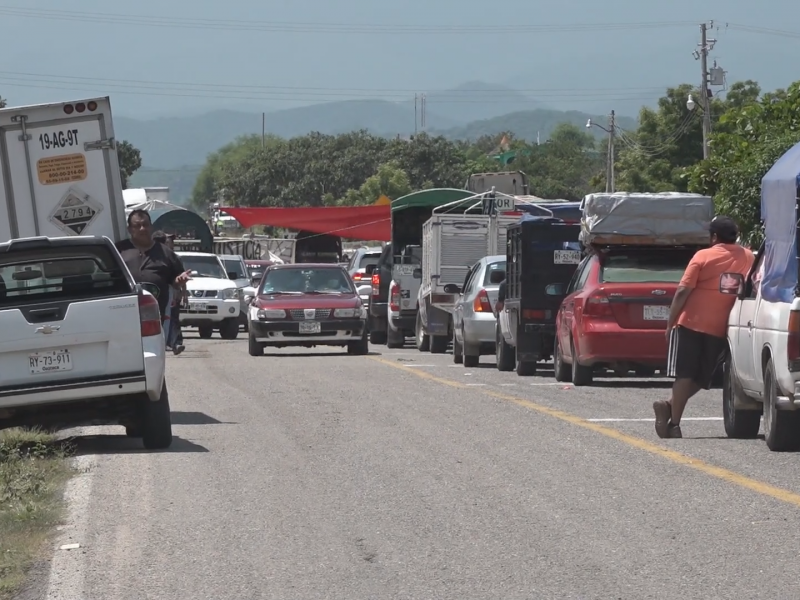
<point x="178" y="349"/>
<point x="168" y="348"/>
<point x="674" y="431"/>
<point x="663" y="412"/>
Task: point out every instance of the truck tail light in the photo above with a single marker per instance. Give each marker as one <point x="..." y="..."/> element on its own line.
<point x="535" y="315"/>
<point x="793" y="339"/>
<point x="394" y="297"/>
<point x="598" y="306"/>
<point x="376" y="284"/>
<point x="482" y="303"/>
<point x="149" y="315"/>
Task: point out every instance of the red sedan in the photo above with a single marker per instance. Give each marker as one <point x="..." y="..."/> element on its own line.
<point x="615" y="313"/>
<point x="307" y="305"/>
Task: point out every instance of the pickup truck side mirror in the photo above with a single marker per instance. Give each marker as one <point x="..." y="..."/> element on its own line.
<point x="731" y="284"/>
<point x="497" y="277"/>
<point x="417" y="274"/>
<point x="452" y="288"/>
<point x="255" y="279"/>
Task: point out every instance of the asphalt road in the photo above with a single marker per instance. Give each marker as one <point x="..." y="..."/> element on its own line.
<point x="312" y="474"/>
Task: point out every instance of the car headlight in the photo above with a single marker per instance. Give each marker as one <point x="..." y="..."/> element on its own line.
<point x="271" y="313"/>
<point x="346" y="313"/>
<point x="231" y="294"/>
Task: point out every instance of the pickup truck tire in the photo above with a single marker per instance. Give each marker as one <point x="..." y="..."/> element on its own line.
<point x="229" y="329"/>
<point x="439" y="344"/>
<point x="254" y="348"/>
<point x="205" y="332"/>
<point x="781" y="427"/>
<point x="505" y="355"/>
<point x="157" y="422"/>
<point x="458" y="351"/>
<point x="359" y="347"/>
<point x="739" y="424"/>
<point x="526" y="368"/>
<point x="563" y="371"/>
<point x="581" y="375"/>
<point x="394" y="339"/>
<point x="421" y="339"/>
<point x="377" y="337"/>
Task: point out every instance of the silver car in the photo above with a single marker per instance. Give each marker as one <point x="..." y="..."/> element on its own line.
<point x="474" y="321"/>
<point x="360" y="269"/>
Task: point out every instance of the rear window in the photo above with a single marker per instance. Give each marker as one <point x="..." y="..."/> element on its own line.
<point x="368" y="259"/>
<point x="491" y="268"/>
<point x="203" y="266"/>
<point x="234" y="266"/>
<point x="644" y="267"/>
<point x="53" y="274"/>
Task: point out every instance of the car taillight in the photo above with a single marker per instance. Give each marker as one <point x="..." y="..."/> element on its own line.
<point x="149" y="315"/>
<point x="793" y="340"/>
<point x="394" y="297"/>
<point x="357" y="277"/>
<point x="481" y="302"/>
<point x="376" y="284"/>
<point x="597" y="305"/>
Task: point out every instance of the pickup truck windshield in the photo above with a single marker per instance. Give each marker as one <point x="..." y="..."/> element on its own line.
<point x="645" y="267"/>
<point x="54" y="274"/>
<point x="205" y="266"/>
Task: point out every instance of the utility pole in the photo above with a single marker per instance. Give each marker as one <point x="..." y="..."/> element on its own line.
<point x="705" y="47"/>
<point x="263" y="130"/>
<point x="610" y="175"/>
<point x="415" y="114"/>
<point x="423" y="123"/>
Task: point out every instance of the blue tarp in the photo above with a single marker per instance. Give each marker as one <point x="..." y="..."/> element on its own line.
<point x="778" y="211"/>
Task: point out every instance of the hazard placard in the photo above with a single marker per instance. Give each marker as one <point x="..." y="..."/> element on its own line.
<point x="67" y="168"/>
<point x="75" y="212"/>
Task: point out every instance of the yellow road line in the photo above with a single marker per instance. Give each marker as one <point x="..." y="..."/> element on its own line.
<point x="724" y="474"/>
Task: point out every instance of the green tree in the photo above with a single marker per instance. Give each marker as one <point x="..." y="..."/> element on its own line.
<point x="751" y="136"/>
<point x="429" y="161"/>
<point x="390" y="180"/>
<point x="130" y="160"/>
<point x="3" y="102"/>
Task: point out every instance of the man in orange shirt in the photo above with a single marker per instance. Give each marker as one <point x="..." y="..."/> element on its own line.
<point x="697" y="329"/>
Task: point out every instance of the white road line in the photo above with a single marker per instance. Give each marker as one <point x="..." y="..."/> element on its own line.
<point x="412" y="366"/>
<point x="507" y="384"/>
<point x="476" y="384"/>
<point x="651" y="420"/>
<point x="551" y="383"/>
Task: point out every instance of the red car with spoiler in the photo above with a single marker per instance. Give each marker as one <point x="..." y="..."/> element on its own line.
<point x="307" y="305"/>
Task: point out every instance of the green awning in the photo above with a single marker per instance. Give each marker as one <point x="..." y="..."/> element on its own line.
<point x="430" y="198"/>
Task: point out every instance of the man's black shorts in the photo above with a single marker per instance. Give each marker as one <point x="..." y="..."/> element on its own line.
<point x="694" y="355"/>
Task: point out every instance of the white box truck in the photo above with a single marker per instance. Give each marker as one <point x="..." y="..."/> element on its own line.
<point x="59" y="171"/>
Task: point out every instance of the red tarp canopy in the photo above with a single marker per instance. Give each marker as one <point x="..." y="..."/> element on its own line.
<point x="369" y="223"/>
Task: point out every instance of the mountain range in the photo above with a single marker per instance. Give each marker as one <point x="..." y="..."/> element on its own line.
<point x="175" y="148"/>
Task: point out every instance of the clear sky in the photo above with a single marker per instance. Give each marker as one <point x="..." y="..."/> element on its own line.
<point x="269" y="54"/>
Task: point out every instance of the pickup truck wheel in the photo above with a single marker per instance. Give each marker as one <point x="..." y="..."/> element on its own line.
<point x="157" y="422"/>
<point x="205" y="332"/>
<point x="458" y="351"/>
<point x="394" y="339"/>
<point x="439" y="344"/>
<point x="563" y="371"/>
<point x="422" y="340"/>
<point x="254" y="348"/>
<point x="504" y="354"/>
<point x="377" y="337"/>
<point x="739" y="424"/>
<point x="229" y="329"/>
<point x="359" y="347"/>
<point x="526" y="368"/>
<point x="581" y="375"/>
<point x="781" y="427"/>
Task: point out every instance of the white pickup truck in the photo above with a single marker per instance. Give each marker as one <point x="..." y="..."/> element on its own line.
<point x="762" y="372"/>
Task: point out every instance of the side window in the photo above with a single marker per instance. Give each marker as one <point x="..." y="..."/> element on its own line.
<point x="579" y="278"/>
<point x="469" y="282"/>
<point x="753" y="281"/>
<point x="587" y="268"/>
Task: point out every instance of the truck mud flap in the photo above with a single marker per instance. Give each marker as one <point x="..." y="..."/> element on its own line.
<point x="535" y="341"/>
<point x="438" y="322"/>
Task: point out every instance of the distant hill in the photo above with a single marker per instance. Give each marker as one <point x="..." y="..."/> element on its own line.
<point x="529" y="124"/>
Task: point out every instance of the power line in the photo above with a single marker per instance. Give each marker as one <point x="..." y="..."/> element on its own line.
<point x="334" y="28"/>
<point x="764" y="30"/>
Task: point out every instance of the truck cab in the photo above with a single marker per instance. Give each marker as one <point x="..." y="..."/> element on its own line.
<point x="541" y="257"/>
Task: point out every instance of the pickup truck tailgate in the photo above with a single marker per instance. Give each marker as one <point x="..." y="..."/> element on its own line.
<point x="66" y="314"/>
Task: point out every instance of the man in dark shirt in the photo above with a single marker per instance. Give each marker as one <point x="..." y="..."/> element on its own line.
<point x="150" y="261"/>
<point x="174" y="333"/>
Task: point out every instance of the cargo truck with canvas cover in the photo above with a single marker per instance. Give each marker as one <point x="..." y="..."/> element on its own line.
<point x="396" y="277"/>
<point x="458" y="235"/>
<point x="59" y="171"/>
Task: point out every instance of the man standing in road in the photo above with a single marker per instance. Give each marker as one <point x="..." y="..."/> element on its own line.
<point x="150" y="261"/>
<point x="697" y="328"/>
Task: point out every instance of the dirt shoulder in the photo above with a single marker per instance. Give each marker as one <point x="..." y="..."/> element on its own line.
<point x="33" y="471"/>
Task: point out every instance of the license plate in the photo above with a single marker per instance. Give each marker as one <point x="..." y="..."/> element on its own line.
<point x="50" y="362"/>
<point x="198" y="306"/>
<point x="310" y="327"/>
<point x="566" y="257"/>
<point x="656" y="313"/>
